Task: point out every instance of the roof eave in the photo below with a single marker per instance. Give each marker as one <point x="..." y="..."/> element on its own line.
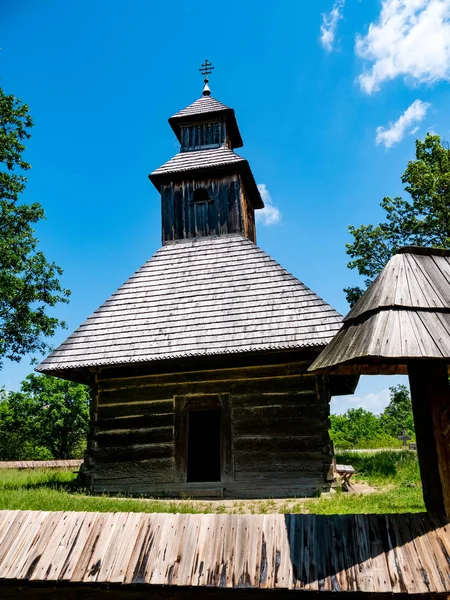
<point x="242" y="166"/>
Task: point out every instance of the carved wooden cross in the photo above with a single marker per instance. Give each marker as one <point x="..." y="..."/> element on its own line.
<point x="404" y="437"/>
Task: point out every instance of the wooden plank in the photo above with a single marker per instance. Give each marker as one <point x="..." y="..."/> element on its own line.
<point x="48" y="559"/>
<point x="310" y="462"/>
<point x="276" y="421"/>
<point x="19" y="548"/>
<point x="133" y="436"/>
<point x="226" y="440"/>
<point x="282" y="445"/>
<point x="138" y="409"/>
<point x="97" y="546"/>
<point x="19" y="520"/>
<point x="137" y="452"/>
<point x="181" y="439"/>
<point x="425" y="393"/>
<point x="436" y="378"/>
<point x="305" y="399"/>
<point x="157" y="470"/>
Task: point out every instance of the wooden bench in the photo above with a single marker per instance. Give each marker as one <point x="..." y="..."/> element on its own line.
<point x="345" y="472"/>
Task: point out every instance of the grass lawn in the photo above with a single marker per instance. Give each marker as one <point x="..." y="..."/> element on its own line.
<point x="394" y="475"/>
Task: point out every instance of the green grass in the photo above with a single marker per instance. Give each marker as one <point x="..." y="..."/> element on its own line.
<point x="395" y="475"/>
<point x="45" y="489"/>
<point x="383" y="467"/>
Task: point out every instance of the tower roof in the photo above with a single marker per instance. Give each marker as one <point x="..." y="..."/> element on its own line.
<point x="198" y="297"/>
<point x="222" y="159"/>
<point x="203" y="108"/>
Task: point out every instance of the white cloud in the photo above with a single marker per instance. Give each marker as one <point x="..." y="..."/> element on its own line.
<point x="410" y="39"/>
<point x="374" y="403"/>
<point x="269" y="215"/>
<point x="329" y="25"/>
<point x="403" y="125"/>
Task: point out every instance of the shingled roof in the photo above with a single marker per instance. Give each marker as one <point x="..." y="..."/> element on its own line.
<point x="404" y="315"/>
<point x="199" y="297"/>
<point x="204" y="104"/>
<point x="207" y="106"/>
<point x="198" y="159"/>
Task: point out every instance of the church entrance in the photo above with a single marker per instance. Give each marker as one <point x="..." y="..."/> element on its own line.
<point x="203" y="459"/>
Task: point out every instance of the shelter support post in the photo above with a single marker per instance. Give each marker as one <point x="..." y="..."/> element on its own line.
<point x="430" y="395"/>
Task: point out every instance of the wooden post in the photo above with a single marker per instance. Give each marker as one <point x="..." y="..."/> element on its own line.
<point x="430" y="395"/>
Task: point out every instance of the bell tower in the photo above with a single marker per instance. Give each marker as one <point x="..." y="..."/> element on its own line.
<point x="206" y="189"/>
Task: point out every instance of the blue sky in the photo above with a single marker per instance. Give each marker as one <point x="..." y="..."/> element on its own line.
<point x="328" y="96"/>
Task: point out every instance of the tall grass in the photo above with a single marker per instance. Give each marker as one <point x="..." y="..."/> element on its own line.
<point x="384" y="467"/>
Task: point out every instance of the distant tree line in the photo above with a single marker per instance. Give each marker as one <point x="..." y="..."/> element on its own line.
<point x="359" y="428"/>
<point x="48" y="419"/>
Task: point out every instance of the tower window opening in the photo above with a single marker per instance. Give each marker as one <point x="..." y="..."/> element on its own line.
<point x="201" y="195"/>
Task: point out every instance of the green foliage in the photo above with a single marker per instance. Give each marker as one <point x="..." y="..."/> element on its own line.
<point x="421" y="220"/>
<point x="48" y="419"/>
<point x="28" y="283"/>
<point x="359" y="428"/>
<point x="398" y="415"/>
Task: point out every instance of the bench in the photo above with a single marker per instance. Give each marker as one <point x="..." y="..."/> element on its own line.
<point x="345" y="472"/>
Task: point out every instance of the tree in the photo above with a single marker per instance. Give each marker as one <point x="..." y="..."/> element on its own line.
<point x="29" y="284"/>
<point x="359" y="428"/>
<point x="423" y="219"/>
<point x="398" y="414"/>
<point x="48" y="418"/>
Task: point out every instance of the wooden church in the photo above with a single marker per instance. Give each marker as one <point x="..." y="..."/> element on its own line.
<point x="198" y="363"/>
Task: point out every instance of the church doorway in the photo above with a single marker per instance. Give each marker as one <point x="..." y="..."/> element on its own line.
<point x="203" y="459"/>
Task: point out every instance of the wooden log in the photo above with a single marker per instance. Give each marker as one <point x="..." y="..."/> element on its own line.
<point x="237" y="373"/>
<point x="136" y="452"/>
<point x="129" y="437"/>
<point x="282" y="446"/>
<point x="161" y="413"/>
<point x="430" y="398"/>
<point x="158" y="391"/>
<point x="156" y="470"/>
<point x="132" y="422"/>
<point x="276" y="421"/>
<point x="305" y="400"/>
<point x="251" y="460"/>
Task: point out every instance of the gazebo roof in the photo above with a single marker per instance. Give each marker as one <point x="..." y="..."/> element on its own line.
<point x="403" y="316"/>
<point x="357" y="555"/>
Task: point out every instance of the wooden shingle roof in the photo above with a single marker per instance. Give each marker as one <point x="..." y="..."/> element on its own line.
<point x="404" y="315"/>
<point x="202" y="163"/>
<point x="199" y="297"/>
<point x="207" y="108"/>
<point x="202" y="106"/>
<point x="371" y="554"/>
<point x="197" y="160"/>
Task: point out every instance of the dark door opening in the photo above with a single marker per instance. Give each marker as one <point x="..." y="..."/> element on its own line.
<point x="203" y="463"/>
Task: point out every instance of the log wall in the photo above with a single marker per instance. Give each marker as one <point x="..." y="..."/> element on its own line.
<point x="275" y="438"/>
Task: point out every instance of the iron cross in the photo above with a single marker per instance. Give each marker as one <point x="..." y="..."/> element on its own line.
<point x="206" y="69"/>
